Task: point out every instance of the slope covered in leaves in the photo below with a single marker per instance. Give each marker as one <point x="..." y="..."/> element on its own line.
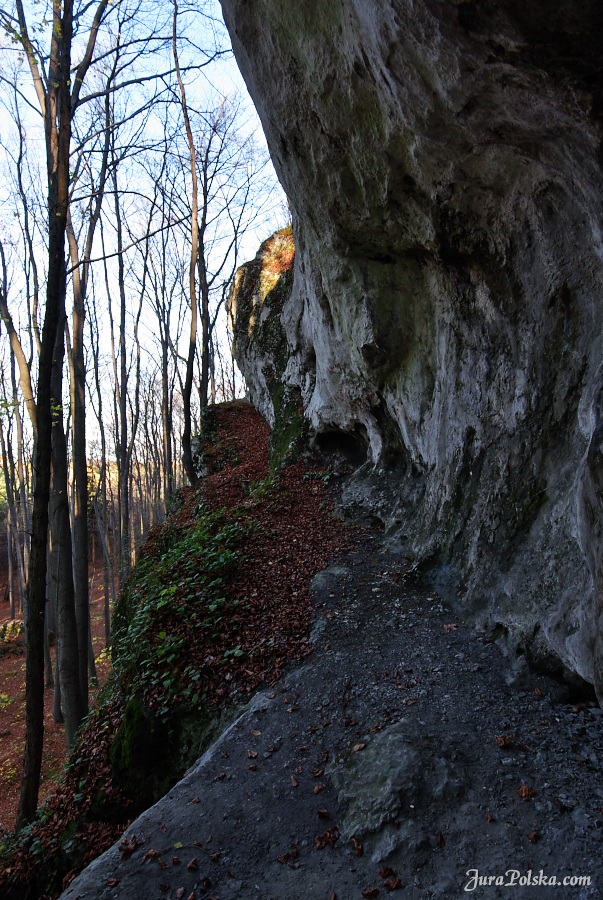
<point x="216" y="606"/>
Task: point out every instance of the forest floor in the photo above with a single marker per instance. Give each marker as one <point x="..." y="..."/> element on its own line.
<point x="12" y="706"/>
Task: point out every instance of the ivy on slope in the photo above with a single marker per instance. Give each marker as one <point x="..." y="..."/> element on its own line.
<point x="216" y="605"/>
<point x="175" y="601"/>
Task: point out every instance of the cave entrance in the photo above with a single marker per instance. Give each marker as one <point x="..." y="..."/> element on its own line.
<point x="353" y="446"/>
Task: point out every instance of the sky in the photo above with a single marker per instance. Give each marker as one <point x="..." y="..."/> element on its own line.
<point x="223" y="75"/>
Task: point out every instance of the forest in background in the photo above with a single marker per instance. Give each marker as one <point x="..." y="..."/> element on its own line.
<point x="133" y="184"/>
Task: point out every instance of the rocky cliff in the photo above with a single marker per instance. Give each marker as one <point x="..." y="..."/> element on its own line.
<point x="442" y="160"/>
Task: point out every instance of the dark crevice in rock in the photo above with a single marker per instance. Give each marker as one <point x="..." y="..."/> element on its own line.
<point x="351" y="446"/>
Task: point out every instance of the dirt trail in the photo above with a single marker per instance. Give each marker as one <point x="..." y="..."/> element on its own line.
<point x="403" y="755"/>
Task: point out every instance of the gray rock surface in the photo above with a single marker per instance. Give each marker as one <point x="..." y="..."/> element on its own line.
<point x="442" y="160"/>
<point x="384" y="743"/>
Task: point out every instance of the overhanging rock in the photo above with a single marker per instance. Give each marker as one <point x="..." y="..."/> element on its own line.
<point x="443" y="166"/>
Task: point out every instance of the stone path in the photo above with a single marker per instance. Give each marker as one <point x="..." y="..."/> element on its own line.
<point x="403" y="754"/>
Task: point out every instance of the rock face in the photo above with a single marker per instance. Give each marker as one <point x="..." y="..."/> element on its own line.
<point x="260" y="346"/>
<point x="442" y="161"/>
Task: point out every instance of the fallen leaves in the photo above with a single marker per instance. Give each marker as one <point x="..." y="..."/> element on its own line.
<point x="534" y="836"/>
<point x="392" y="882"/>
<point x="358" y="747"/>
<point x="285" y="857"/>
<point x="370" y="893"/>
<point x="294" y="781"/>
<point x="503" y="740"/>
<point x="525" y="793"/>
<point x="357" y="847"/>
<point x="328" y="839"/>
<point x="127" y="847"/>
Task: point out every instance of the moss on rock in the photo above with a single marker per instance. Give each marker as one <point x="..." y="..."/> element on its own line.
<point x="256" y="304"/>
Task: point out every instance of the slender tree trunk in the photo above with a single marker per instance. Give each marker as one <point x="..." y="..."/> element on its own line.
<point x="57" y="118"/>
<point x="123" y="492"/>
<point x="109" y="582"/>
<point x="80" y="487"/>
<point x="10" y="585"/>
<point x="107" y="569"/>
<point x="62" y="563"/>
<point x="91" y="661"/>
<point x="47" y="660"/>
<point x="187" y="458"/>
<point x="77" y="370"/>
<point x="57" y="710"/>
<point x="12" y="524"/>
<point x="205" y="330"/>
<point x="166" y="421"/>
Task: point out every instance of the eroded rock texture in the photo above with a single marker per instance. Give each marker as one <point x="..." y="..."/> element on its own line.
<point x="443" y="165"/>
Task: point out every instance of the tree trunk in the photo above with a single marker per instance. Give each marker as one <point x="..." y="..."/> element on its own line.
<point x="10" y="585"/>
<point x="166" y="421"/>
<point x="187" y="457"/>
<point x="123" y="468"/>
<point x="80" y="489"/>
<point x="49" y="680"/>
<point x="205" y="326"/>
<point x="62" y="565"/>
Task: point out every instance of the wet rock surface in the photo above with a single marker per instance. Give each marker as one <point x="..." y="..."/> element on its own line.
<point x="402" y="754"/>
